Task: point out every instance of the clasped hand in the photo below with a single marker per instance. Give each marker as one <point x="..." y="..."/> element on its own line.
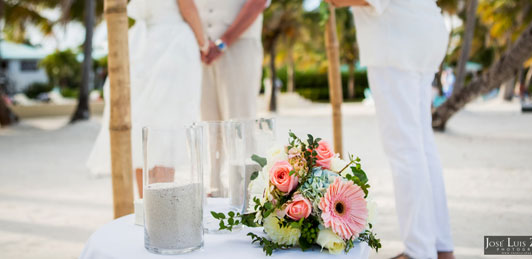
<point x="212" y="53"/>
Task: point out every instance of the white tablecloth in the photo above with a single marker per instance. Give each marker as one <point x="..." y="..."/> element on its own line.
<point x="121" y="238"/>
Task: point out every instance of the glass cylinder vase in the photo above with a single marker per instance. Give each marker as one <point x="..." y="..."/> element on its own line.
<point x="260" y="136"/>
<point x="173" y="189"/>
<point x="224" y="149"/>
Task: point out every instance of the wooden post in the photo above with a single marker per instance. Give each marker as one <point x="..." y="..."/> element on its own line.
<point x="335" y="80"/>
<point x="120" y="122"/>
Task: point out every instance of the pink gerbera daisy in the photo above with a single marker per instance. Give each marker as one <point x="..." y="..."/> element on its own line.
<point x="344" y="209"/>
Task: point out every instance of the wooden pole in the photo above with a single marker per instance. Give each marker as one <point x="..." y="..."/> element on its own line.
<point x="120" y="122"/>
<point x="335" y="80"/>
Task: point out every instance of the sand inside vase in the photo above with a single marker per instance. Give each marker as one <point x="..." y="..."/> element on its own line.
<point x="173" y="215"/>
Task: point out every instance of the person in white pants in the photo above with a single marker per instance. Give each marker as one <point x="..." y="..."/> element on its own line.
<point x="403" y="43"/>
<point x="232" y="67"/>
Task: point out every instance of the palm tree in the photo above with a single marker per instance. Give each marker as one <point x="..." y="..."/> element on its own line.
<point x="503" y="69"/>
<point x="82" y="110"/>
<point x="469" y="31"/>
<point x="90" y="12"/>
<point x="281" y="20"/>
<point x="22" y="13"/>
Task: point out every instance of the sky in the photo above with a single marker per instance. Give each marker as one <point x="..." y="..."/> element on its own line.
<point x="73" y="34"/>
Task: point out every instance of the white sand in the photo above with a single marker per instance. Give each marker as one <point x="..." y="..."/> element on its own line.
<point x="49" y="205"/>
<point x="173" y="216"/>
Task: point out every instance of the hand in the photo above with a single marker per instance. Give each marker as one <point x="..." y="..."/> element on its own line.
<point x="212" y="54"/>
<point x="205" y="53"/>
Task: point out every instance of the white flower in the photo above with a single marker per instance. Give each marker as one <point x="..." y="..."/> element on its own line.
<point x="281" y="235"/>
<point x="372" y="211"/>
<point x="328" y="239"/>
<point x="258" y="188"/>
<point x="338" y="164"/>
<point x="276" y="154"/>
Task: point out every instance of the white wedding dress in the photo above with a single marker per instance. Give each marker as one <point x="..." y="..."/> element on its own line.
<point x="165" y="71"/>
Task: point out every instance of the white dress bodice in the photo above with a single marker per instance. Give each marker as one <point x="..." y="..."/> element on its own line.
<point x="155" y="11"/>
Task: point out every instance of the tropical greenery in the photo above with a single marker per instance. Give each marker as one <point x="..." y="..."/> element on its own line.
<point x="294" y="44"/>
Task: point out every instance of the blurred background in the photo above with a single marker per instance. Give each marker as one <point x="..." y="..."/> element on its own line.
<point x="51" y="100"/>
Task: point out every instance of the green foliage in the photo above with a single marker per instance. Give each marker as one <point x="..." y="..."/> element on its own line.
<point x="254" y="175"/>
<point x="358" y="176"/>
<point x="268" y="246"/>
<point x="369" y="237"/>
<point x="33" y="90"/>
<point x="62" y="68"/>
<point x="227" y="222"/>
<point x="19" y="15"/>
<point x="314" y="85"/>
<point x="324" y="13"/>
<point x="309" y="233"/>
<point x="248" y="219"/>
<point x="69" y="93"/>
<point x="260" y="160"/>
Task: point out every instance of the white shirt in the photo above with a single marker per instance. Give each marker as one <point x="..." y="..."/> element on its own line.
<point x="218" y="15"/>
<point x="405" y="34"/>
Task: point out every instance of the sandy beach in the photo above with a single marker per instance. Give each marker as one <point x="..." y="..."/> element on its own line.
<point x="50" y="204"/>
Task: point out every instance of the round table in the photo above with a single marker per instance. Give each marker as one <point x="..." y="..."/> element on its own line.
<point x="121" y="238"/>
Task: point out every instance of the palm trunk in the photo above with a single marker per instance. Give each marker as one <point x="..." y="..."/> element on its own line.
<point x="466" y="45"/>
<point x="82" y="111"/>
<point x="507" y="89"/>
<point x="7" y="117"/>
<point x="351" y="81"/>
<point x="499" y="72"/>
<point x="290" y="70"/>
<point x="273" y="74"/>
<point x="335" y="80"/>
<point x="528" y="78"/>
<point x="291" y="84"/>
<point x="120" y="122"/>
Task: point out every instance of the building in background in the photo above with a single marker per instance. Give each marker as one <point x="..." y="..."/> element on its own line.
<point x="20" y="66"/>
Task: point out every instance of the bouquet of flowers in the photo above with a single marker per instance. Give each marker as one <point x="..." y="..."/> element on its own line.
<point x="305" y="195"/>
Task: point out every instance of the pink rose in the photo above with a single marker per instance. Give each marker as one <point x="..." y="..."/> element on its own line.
<point x="325" y="154"/>
<point x="299" y="207"/>
<point x="280" y="176"/>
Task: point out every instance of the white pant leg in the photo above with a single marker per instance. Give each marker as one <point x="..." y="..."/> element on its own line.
<point x="231" y="85"/>
<point x="397" y="101"/>
<point x="444" y="242"/>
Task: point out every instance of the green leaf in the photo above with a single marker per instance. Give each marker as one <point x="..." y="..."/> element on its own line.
<point x="249" y="220"/>
<point x="254" y="175"/>
<point x="217" y="215"/>
<point x="231" y="214"/>
<point x="292" y="172"/>
<point x="260" y="160"/>
<point x="304" y="244"/>
<point x="360" y="174"/>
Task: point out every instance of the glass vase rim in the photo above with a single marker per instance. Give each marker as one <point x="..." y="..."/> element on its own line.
<point x="162" y="128"/>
